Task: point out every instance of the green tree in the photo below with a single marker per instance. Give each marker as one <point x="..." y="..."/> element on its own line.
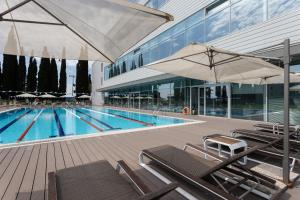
<point x="31" y="75"/>
<point x="10" y="66"/>
<point x="82" y="77"/>
<point x="63" y="77"/>
<point x="21" y="74"/>
<point x="53" y="76"/>
<point x="43" y="76"/>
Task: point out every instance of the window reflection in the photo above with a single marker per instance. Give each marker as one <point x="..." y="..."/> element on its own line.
<point x="217" y="25"/>
<point x="277" y="7"/>
<point x="246" y="13"/>
<point x="196" y="33"/>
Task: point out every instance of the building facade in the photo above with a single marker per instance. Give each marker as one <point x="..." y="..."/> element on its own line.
<point x="244" y="26"/>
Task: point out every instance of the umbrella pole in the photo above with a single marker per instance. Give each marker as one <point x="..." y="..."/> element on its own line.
<point x="285" y="162"/>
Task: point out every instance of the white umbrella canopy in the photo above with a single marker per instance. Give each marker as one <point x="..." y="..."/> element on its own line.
<point x="84" y="97"/>
<point x="294" y="78"/>
<point x="207" y="63"/>
<point x="26" y="95"/>
<point x="47" y="96"/>
<point x="295" y="88"/>
<point x="102" y="29"/>
<point x="67" y="96"/>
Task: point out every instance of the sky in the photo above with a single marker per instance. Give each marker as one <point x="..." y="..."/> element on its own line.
<point x="70" y="70"/>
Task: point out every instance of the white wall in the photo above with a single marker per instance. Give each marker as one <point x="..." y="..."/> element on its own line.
<point x="97" y="97"/>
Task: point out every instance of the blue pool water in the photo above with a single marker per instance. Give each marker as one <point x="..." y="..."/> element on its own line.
<point x="26" y="124"/>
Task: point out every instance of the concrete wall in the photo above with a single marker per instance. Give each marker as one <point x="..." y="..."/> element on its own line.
<point x="97" y="75"/>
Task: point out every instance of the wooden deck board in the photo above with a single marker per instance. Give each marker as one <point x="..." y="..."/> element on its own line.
<point x="39" y="185"/>
<point x="25" y="189"/>
<point x="23" y="170"/>
<point x="19" y="175"/>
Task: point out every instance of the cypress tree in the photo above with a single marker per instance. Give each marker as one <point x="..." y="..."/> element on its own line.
<point x="53" y="76"/>
<point x="31" y="75"/>
<point x="63" y="77"/>
<point x="10" y="66"/>
<point x="21" y="74"/>
<point x="1" y="77"/>
<point x="82" y="77"/>
<point x="43" y="76"/>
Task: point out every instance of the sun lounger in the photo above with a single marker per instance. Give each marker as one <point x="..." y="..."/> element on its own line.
<point x="276" y="128"/>
<point x="263" y="134"/>
<point x="209" y="175"/>
<point x="100" y="180"/>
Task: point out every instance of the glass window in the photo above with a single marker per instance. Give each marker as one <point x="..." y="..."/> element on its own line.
<point x="246" y="13"/>
<point x="276" y="7"/>
<point x="163" y="93"/>
<point x="217" y="6"/>
<point x="247" y="102"/>
<point x="178" y="28"/>
<point x="165" y="49"/>
<point x="196" y="33"/>
<point x="216" y="101"/>
<point x="195" y="18"/>
<point x="178" y="42"/>
<point x="155" y="53"/>
<point x="217" y="25"/>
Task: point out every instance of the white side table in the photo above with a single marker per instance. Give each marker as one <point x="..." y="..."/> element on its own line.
<point x="234" y="145"/>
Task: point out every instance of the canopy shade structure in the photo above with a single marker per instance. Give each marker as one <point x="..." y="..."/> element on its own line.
<point x="67" y="96"/>
<point x="84" y="97"/>
<point x="207" y="63"/>
<point x="47" y="96"/>
<point x="26" y="95"/>
<point x="294" y="78"/>
<point x="75" y="29"/>
<point x="295" y="88"/>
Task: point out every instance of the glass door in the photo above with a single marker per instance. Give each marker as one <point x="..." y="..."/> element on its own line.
<point x="216" y="100"/>
<point x="195" y="101"/>
<point x="201" y="101"/>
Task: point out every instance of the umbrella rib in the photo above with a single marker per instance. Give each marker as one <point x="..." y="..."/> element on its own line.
<point x="72" y="30"/>
<point x="14" y="8"/>
<point x="31" y="22"/>
<point x="195" y="62"/>
<point x="227" y="60"/>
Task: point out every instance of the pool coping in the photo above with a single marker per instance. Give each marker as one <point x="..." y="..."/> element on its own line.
<point x="100" y="134"/>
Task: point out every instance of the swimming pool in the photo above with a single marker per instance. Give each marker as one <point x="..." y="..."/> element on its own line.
<point x="27" y="124"/>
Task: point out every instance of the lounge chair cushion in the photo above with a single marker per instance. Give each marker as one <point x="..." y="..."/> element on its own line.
<point x="94" y="181"/>
<point x="182" y="160"/>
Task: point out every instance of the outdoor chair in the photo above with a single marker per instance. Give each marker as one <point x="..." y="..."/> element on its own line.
<point x="225" y="179"/>
<point x="100" y="180"/>
<point x="276" y="128"/>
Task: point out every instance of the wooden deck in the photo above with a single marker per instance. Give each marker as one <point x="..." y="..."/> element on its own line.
<point x="23" y="170"/>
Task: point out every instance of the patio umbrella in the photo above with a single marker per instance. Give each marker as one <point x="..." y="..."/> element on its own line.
<point x="295" y="88"/>
<point x="105" y="29"/>
<point x="67" y="96"/>
<point x="47" y="96"/>
<point x="198" y="61"/>
<point x="116" y="97"/>
<point x="26" y="95"/>
<point x="84" y="97"/>
<point x="294" y="78"/>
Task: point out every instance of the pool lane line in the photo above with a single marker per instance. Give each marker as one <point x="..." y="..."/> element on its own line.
<point x="120" y="116"/>
<point x="101" y="122"/>
<point x="29" y="127"/>
<point x="92" y="125"/>
<point x="61" y="131"/>
<point x="5" y="111"/>
<point x="13" y="121"/>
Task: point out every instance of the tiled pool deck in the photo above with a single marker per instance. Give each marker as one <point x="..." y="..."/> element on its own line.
<point x="23" y="169"/>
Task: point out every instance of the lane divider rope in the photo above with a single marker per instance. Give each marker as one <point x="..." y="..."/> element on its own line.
<point x="13" y="121"/>
<point x="29" y="127"/>
<point x="101" y="122"/>
<point x="58" y="124"/>
<point x="92" y="125"/>
<point x="120" y="116"/>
